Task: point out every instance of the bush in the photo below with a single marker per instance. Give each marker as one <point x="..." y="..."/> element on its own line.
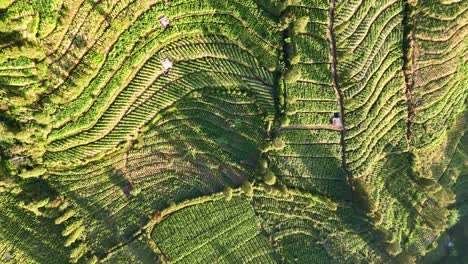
<point x="393" y="248"/>
<point x="78" y="252"/>
<point x="4" y="3"/>
<point x="74" y="236"/>
<point x="172" y="205"/>
<point x="71" y="227"/>
<point x="67" y="215"/>
<point x="292" y="76"/>
<point x="34" y="173"/>
<point x="295" y="58"/>
<point x="92" y="260"/>
<point x="284" y="121"/>
<point x="291" y="110"/>
<point x="278" y="143"/>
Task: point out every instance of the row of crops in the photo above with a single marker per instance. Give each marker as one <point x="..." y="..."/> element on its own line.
<point x="214" y="232"/>
<point x="376" y="103"/>
<point x="137" y="251"/>
<point x="439" y="66"/>
<point x="311" y="160"/>
<point x="303" y="228"/>
<point x="312" y="157"/>
<point x="410" y="211"/>
<point x="129" y="88"/>
<point x="204" y="143"/>
<point x="311" y="229"/>
<point x="27" y="237"/>
<point x="452" y="172"/>
<point x="19" y="74"/>
<point x="207" y="115"/>
<point x="313" y="96"/>
<point x="321" y="110"/>
<point x="438" y="95"/>
<point x="368" y="39"/>
<point x="457" y="170"/>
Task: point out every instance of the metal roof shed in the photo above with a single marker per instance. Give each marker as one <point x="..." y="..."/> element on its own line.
<point x="164" y="20"/>
<point x="336" y="120"/>
<point x="167" y="65"/>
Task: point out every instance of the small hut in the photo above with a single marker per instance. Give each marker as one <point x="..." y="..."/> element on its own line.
<point x="164" y="20"/>
<point x="167" y="65"/>
<point x="336" y="120"/>
<point x="8" y="256"/>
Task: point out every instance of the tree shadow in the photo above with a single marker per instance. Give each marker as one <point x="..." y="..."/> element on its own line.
<point x="319" y="171"/>
<point x="117" y="177"/>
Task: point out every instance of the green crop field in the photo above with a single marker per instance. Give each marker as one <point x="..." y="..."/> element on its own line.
<point x="233" y="131"/>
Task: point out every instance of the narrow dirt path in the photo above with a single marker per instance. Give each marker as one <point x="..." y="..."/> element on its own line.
<point x="309" y="127"/>
<point x="336" y="85"/>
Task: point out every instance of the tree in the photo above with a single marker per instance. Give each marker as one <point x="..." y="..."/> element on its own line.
<point x="405" y="257"/>
<point x="285" y="22"/>
<point x="283" y="191"/>
<point x="262" y="163"/>
<point x="157" y="217"/>
<point x="283" y="120"/>
<point x="269" y="178"/>
<point x="300" y="24"/>
<point x="247" y="188"/>
<point x="34" y="173"/>
<point x="227" y="193"/>
<point x="429" y="185"/>
<point x="92" y="260"/>
<point x="135" y="192"/>
<point x="436" y="218"/>
<point x="292" y="76"/>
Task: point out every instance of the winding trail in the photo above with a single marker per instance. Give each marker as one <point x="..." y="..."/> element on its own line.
<point x="336" y="86"/>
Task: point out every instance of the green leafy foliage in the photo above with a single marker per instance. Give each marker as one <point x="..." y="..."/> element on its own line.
<point x="305" y="131"/>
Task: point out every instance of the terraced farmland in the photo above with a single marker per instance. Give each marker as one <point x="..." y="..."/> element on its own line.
<point x="218" y="231"/>
<point x="247" y="131"/>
